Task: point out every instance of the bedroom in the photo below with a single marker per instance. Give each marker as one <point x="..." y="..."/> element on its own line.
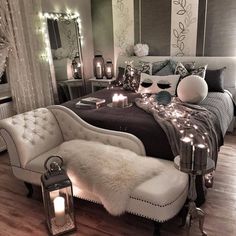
<point x="112" y="28"/>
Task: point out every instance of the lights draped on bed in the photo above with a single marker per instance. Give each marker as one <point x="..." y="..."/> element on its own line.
<point x="180" y="119"/>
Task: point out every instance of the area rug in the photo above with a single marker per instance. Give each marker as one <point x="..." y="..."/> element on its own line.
<point x="109" y="172"/>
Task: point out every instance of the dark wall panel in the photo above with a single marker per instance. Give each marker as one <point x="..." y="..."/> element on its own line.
<point x="156" y="25"/>
<point x="221" y="28"/>
<point x="200" y="27"/>
<point x="102" y="24"/>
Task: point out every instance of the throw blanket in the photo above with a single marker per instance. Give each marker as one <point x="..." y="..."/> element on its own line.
<point x="182" y="119"/>
<point x="109" y="172"/>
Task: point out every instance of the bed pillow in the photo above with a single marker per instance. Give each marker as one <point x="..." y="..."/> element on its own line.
<point x="163" y="68"/>
<point x="215" y="80"/>
<point x="155" y="83"/>
<point x="131" y="83"/>
<point x="183" y="72"/>
<point x="192" y="89"/>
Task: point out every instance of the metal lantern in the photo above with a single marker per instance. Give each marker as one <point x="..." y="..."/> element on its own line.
<point x="76" y="67"/>
<point x="98" y="66"/>
<point x="109" y="71"/>
<point x="57" y="197"/>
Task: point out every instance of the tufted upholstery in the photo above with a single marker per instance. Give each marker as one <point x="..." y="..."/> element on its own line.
<point x="33" y="133"/>
<point x="73" y="127"/>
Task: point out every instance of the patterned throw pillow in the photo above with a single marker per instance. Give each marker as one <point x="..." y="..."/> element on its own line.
<point x="163" y="68"/>
<point x="183" y="72"/>
<point x="154" y="83"/>
<point x="132" y="76"/>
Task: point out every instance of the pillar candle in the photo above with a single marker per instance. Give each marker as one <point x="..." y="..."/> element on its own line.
<point x="108" y="72"/>
<point x="200" y="157"/>
<point x="115" y="100"/>
<point x="126" y="101"/>
<point x="99" y="70"/>
<point x="186" y="151"/>
<point x="59" y="208"/>
<point x="121" y="102"/>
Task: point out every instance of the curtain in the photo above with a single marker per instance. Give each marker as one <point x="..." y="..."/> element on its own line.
<point x="28" y="72"/>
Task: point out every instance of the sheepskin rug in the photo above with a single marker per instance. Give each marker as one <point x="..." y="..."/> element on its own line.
<point x="109" y="172"/>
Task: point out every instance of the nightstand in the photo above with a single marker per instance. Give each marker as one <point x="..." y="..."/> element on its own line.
<point x="100" y="83"/>
<point x="72" y="83"/>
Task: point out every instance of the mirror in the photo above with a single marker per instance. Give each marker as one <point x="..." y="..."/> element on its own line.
<point x="65" y="42"/>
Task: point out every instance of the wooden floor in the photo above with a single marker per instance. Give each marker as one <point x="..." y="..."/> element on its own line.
<point x="22" y="216"/>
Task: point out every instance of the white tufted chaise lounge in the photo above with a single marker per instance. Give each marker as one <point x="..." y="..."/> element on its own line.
<point x="33" y="136"/>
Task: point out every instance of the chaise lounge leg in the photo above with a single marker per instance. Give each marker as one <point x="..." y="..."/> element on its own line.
<point x="30" y="189"/>
<point x="157" y="227"/>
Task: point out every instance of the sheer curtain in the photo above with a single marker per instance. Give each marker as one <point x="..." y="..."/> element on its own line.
<point x="28" y="72"/>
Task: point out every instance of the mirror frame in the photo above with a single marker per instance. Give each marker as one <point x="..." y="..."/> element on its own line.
<point x="69" y="16"/>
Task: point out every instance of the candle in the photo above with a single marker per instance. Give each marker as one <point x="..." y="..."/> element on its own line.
<point x="99" y="70"/>
<point x="186" y="150"/>
<point x="59" y="208"/>
<point x="200" y="157"/>
<point x="108" y="72"/>
<point x="54" y="194"/>
<point x="126" y="101"/>
<point x="115" y="100"/>
<point x="121" y="102"/>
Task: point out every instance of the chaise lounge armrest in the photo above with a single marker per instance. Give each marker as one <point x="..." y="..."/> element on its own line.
<point x="73" y="127"/>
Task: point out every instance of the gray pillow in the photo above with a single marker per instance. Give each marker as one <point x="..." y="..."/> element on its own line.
<point x="166" y="68"/>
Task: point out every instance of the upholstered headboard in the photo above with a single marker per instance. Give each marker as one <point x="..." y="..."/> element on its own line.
<point x="212" y="62"/>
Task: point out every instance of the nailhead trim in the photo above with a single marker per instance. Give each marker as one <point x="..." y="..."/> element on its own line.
<point x="158" y="205"/>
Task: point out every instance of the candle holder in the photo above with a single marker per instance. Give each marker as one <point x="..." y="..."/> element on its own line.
<point x="98" y="66"/>
<point x="76" y="67"/>
<point x="109" y="71"/>
<point x="57" y="197"/>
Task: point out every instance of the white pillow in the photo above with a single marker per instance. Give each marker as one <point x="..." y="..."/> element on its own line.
<point x="192" y="89"/>
<point x="155" y="83"/>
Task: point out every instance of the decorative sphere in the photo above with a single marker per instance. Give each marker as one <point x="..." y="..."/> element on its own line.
<point x="192" y="89"/>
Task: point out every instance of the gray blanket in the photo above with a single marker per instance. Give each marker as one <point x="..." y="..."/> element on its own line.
<point x="181" y="119"/>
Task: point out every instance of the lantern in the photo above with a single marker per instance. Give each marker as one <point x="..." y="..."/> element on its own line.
<point x="57" y="197"/>
<point x="76" y="67"/>
<point x="109" y="71"/>
<point x="98" y="66"/>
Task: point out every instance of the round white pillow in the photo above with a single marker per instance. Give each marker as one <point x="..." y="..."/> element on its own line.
<point x="192" y="89"/>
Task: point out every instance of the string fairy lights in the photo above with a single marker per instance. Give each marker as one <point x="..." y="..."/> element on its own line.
<point x="69" y="15"/>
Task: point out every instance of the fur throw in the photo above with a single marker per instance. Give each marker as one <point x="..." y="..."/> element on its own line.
<point x="107" y="171"/>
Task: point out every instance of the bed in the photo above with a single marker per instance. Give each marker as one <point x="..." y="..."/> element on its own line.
<point x="141" y="124"/>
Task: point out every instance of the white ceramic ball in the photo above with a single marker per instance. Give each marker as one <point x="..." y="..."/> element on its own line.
<point x="192" y="89"/>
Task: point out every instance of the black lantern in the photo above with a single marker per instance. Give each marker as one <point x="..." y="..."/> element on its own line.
<point x="98" y="66"/>
<point x="109" y="71"/>
<point x="57" y="197"/>
<point x="76" y="67"/>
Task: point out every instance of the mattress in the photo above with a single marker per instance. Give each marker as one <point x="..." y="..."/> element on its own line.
<point x="141" y="124"/>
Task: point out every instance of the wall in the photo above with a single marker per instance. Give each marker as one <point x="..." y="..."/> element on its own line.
<point x="212" y="31"/>
<point x="84" y="9"/>
<point x="102" y="23"/>
<point x="152" y="25"/>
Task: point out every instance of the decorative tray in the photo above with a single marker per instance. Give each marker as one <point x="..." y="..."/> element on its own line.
<point x="129" y="105"/>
